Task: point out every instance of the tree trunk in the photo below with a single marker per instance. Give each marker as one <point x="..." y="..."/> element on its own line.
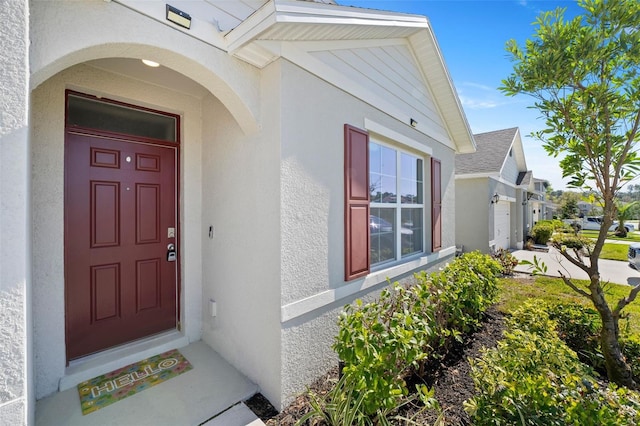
<point x="618" y="371"/>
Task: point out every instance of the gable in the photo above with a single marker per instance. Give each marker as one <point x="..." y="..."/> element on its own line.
<point x="391" y="73"/>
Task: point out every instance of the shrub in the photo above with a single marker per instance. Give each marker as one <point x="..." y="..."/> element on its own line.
<point x="507" y="261"/>
<point x="542" y="231"/>
<point x="380" y="342"/>
<point x="631" y="350"/>
<point x="533" y="378"/>
<point x="579" y="328"/>
<point x="571" y="241"/>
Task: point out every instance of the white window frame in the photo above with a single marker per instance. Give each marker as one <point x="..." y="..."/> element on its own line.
<point x="399" y="206"/>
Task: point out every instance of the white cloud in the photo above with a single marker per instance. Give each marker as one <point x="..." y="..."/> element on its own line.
<point x="477" y="103"/>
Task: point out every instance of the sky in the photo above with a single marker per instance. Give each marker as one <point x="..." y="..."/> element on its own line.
<point x="472" y="35"/>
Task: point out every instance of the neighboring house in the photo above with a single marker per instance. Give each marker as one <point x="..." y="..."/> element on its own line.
<point x="538" y="201"/>
<point x="216" y="176"/>
<point x="493" y="188"/>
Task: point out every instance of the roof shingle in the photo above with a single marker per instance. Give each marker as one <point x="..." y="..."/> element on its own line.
<point x="491" y="151"/>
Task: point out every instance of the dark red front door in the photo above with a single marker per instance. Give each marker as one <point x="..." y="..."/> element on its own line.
<point x="120" y="210"/>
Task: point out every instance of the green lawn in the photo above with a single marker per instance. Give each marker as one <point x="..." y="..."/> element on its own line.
<point x="631" y="236"/>
<point x="513" y="293"/>
<point x="614" y="251"/>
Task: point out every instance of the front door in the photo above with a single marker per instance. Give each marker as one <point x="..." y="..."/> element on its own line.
<point x="120" y="217"/>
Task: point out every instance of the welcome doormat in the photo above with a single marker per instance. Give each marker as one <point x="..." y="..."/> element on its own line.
<point x="112" y="387"/>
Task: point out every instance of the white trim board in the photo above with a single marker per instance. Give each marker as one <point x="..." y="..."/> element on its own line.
<point x="300" y="307"/>
<point x="399" y="138"/>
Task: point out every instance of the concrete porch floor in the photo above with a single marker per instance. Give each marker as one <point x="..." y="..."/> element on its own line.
<point x="208" y="394"/>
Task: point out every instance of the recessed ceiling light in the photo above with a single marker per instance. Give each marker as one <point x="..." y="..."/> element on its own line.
<point x="150" y="63"/>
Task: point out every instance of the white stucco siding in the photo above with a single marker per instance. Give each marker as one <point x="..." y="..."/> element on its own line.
<point x="47" y="200"/>
<point x="312" y="210"/>
<point x="66" y="33"/>
<point x="390" y="72"/>
<point x="16" y="398"/>
<point x="241" y="263"/>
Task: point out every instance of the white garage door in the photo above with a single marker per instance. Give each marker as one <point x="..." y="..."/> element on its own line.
<point x="501" y="224"/>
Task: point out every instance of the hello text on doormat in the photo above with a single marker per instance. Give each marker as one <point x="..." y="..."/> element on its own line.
<point x="112" y="387"/>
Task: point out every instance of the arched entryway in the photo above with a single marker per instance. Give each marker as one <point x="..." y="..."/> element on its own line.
<point x="131" y="83"/>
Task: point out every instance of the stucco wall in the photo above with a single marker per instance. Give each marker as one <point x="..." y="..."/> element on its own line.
<point x="312" y="210"/>
<point x="241" y="262"/>
<point x="47" y="156"/>
<point x="16" y="399"/>
<point x="68" y="32"/>
<point x="474" y="224"/>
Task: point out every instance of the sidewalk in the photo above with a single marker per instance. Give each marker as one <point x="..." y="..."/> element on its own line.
<point x="610" y="270"/>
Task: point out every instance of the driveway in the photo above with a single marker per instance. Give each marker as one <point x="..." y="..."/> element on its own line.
<point x="610" y="270"/>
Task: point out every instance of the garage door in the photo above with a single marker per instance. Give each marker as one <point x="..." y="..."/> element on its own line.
<point x="501" y="224"/>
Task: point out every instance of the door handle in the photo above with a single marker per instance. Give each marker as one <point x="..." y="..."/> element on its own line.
<point x="171" y="253"/>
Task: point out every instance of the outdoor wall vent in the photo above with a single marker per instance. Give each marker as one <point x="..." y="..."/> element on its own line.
<point x="178" y="17"/>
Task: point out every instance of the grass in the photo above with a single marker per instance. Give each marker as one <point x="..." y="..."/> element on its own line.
<point x="514" y="292"/>
<point x="632" y="237"/>
<point x="614" y="251"/>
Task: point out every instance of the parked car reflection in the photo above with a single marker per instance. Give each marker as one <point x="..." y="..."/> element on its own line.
<point x="378" y="225"/>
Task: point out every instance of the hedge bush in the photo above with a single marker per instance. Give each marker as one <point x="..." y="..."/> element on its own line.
<point x="533" y="378"/>
<point x="542" y="231"/>
<point x="382" y="341"/>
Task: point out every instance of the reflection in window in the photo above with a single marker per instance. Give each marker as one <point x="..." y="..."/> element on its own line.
<point x="397" y="194"/>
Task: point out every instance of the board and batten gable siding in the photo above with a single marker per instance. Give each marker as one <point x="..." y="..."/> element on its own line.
<point x="510" y="169"/>
<point x="391" y="72"/>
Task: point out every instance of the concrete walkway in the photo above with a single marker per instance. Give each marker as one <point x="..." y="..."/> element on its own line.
<point x="209" y="394"/>
<point x="610" y="270"/>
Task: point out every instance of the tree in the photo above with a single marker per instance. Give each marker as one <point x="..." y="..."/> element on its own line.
<point x="624" y="214"/>
<point x="583" y="74"/>
<point x="569" y="204"/>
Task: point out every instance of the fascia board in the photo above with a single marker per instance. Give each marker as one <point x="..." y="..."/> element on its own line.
<point x="426" y="39"/>
<point x="251" y="27"/>
<point x="276" y="12"/>
<point x="297" y="11"/>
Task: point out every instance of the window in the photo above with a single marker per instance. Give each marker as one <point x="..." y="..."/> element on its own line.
<point x="99" y="114"/>
<point x="396" y="222"/>
<point x="384" y="203"/>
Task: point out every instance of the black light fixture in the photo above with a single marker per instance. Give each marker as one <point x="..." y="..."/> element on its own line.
<point x="495" y="198"/>
<point x="178" y="17"/>
<point x="413" y="122"/>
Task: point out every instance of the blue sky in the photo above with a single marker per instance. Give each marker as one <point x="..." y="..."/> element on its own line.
<point x="472" y="36"/>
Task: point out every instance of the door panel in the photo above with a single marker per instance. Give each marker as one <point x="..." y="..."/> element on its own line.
<point x="120" y="198"/>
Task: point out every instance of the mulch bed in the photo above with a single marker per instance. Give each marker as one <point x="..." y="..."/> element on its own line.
<point x="450" y="378"/>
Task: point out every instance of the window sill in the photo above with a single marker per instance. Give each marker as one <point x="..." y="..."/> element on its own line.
<point x="377" y="276"/>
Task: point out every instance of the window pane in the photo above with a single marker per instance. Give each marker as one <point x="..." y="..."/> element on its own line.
<point x="387" y="161"/>
<point x="411" y="185"/>
<point x="374" y="158"/>
<point x="411" y="231"/>
<point x="94" y="114"/>
<point x="382" y="233"/>
<point x="375" y="188"/>
<point x="411" y="192"/>
<point x="388" y="189"/>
